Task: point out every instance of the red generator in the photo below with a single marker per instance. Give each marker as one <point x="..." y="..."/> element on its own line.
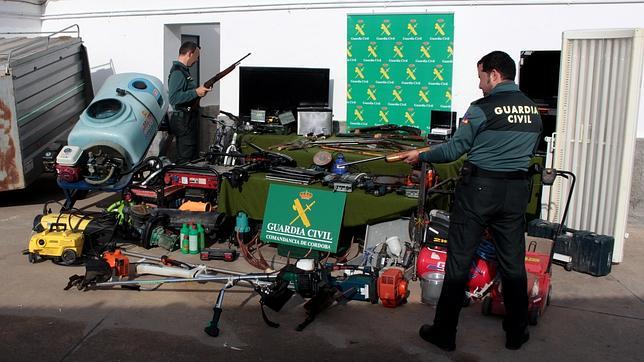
<point x="538" y="263"/>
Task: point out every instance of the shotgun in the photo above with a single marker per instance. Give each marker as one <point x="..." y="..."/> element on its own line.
<point x="392" y="157"/>
<point x="210" y="82"/>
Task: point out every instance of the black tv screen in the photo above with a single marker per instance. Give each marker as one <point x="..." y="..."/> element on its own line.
<point x="276" y="90"/>
<point x="539" y="76"/>
<point x="442" y="119"/>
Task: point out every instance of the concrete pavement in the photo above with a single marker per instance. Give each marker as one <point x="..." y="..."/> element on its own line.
<point x="590" y="318"/>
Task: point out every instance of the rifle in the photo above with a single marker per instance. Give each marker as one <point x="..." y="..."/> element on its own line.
<point x="210" y="82"/>
<point x="386" y="128"/>
<point x="392" y="157"/>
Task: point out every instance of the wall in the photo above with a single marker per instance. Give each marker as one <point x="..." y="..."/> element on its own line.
<point x="297" y="33"/>
<point x="637" y="185"/>
<point x="20" y="17"/>
<point x="124" y="36"/>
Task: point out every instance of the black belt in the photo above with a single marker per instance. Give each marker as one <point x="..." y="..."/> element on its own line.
<point x="508" y="175"/>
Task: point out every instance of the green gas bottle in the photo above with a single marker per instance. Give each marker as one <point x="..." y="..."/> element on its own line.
<point x="202" y="237"/>
<point x="193" y="238"/>
<point x="184" y="239"/>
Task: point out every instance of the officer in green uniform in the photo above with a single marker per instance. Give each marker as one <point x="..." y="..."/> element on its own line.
<point x="499" y="133"/>
<point x="184" y="93"/>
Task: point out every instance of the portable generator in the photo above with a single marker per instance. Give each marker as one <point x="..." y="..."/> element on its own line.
<point x="115" y="131"/>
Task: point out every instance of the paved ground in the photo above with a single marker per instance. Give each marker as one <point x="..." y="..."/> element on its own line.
<point x="589" y="319"/>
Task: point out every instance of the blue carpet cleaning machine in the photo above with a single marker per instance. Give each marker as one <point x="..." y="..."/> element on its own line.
<point x="114" y="133"/>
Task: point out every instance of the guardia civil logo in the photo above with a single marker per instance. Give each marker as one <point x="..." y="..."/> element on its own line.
<point x="306" y="218"/>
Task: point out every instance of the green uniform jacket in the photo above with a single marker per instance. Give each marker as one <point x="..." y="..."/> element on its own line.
<point x="499" y="132"/>
<point x="181" y="86"/>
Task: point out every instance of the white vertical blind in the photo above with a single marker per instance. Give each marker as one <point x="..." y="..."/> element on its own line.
<point x="599" y="91"/>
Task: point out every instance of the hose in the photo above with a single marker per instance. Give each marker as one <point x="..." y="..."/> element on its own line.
<point x="103" y="180"/>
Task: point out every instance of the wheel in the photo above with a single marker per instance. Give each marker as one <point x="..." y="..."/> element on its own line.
<point x="33" y="258"/>
<point x="533" y="316"/>
<point x="68" y="257"/>
<point x="486" y="306"/>
<point x="568" y="266"/>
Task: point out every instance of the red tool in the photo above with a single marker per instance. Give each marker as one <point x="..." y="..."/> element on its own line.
<point x="117" y="261"/>
<point x="393" y="288"/>
<point x="218" y="254"/>
<point x="201" y="179"/>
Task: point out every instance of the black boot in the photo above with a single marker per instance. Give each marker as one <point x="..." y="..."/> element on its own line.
<point x="514" y="341"/>
<point x="443" y="340"/>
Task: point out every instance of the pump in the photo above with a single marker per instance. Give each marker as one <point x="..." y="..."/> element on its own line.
<point x="115" y="131"/>
<point x="107" y="145"/>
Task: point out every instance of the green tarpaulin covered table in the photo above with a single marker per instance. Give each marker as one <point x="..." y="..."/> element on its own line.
<point x="360" y="209"/>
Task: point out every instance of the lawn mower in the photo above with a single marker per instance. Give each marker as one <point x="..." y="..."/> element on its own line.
<point x="538" y="263"/>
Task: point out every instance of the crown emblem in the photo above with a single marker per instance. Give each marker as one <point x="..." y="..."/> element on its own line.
<point x="306" y="195"/>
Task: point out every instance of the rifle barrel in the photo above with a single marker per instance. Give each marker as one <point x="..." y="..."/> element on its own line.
<point x="392" y="157"/>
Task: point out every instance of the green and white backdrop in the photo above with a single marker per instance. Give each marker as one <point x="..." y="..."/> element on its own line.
<point x="399" y="68"/>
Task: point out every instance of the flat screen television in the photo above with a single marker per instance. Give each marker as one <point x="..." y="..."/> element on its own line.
<point x="539" y="76"/>
<point x="442" y="119"/>
<point x="539" y="80"/>
<point x="276" y="90"/>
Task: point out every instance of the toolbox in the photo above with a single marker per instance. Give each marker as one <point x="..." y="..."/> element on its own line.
<point x="543" y="229"/>
<point x="564" y="244"/>
<point x="592" y="253"/>
<point x="563" y="250"/>
<point x="585" y="252"/>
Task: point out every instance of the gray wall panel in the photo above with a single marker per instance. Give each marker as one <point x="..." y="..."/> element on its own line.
<point x="45" y="78"/>
<point x="48" y="98"/>
<point x="26" y="64"/>
<point x="31" y="135"/>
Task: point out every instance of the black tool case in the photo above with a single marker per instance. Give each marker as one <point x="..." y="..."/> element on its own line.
<point x="564" y="244"/>
<point x="592" y="253"/>
<point x="543" y="229"/>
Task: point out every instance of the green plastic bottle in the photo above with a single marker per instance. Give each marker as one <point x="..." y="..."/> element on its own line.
<point x="202" y="237"/>
<point x="193" y="237"/>
<point x="184" y="239"/>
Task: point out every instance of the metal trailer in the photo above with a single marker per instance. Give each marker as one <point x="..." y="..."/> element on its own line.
<point x="45" y="84"/>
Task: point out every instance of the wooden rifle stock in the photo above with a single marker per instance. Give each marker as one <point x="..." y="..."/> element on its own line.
<point x="395" y="157"/>
<point x="210" y="82"/>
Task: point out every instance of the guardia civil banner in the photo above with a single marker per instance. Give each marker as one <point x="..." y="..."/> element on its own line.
<point x="399" y="68"/>
<point x="306" y="218"/>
